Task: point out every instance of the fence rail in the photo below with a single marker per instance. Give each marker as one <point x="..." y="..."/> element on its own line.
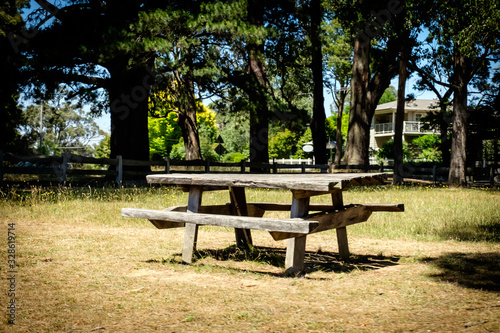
<point x="119" y="170"/>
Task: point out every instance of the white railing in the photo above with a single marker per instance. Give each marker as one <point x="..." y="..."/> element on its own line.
<point x="408" y="127"/>
<point x="384" y="128"/>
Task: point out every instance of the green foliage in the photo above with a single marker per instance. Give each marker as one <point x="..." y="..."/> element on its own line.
<point x="103" y="148"/>
<point x="282" y="144"/>
<point x="389" y="95"/>
<point x="163" y="134"/>
<point x="429" y="146"/>
<point x="427" y="141"/>
<point x="64" y="126"/>
<point x="234" y="157"/>
<point x="178" y="151"/>
<point x="164" y="131"/>
<point x="387" y="151"/>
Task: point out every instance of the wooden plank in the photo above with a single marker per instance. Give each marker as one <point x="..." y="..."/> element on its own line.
<point x="285" y="207"/>
<point x="191" y="229"/>
<point x="185" y="188"/>
<point x="246" y="222"/>
<point x="308" y="194"/>
<point x="331" y="220"/>
<point x="385" y="207"/>
<point x="305" y="182"/>
<point x="296" y="247"/>
<point x="239" y="205"/>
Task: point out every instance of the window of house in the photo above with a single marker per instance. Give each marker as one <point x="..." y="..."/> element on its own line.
<point x="418" y="116"/>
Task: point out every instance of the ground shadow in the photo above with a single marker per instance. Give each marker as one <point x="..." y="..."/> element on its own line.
<point x="471" y="270"/>
<point x="314" y="261"/>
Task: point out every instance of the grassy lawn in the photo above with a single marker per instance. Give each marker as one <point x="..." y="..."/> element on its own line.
<point x="81" y="267"/>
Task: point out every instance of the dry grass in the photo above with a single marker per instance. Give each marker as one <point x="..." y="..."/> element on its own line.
<point x="83" y="268"/>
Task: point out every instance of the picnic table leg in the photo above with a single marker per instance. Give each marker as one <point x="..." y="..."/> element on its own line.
<point x="338" y="203"/>
<point x="296" y="247"/>
<point x="191" y="229"/>
<point x="239" y="203"/>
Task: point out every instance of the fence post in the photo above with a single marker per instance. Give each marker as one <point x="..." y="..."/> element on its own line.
<point x="434" y="173"/>
<point x="119" y="170"/>
<point x="275" y="166"/>
<point x="243" y="166"/>
<point x="381" y="166"/>
<point x="167" y="165"/>
<point x="303" y="167"/>
<point x="1" y="168"/>
<point x="64" y="167"/>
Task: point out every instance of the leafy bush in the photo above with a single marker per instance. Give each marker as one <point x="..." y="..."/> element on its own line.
<point x="429" y="145"/>
<point x="387" y="151"/>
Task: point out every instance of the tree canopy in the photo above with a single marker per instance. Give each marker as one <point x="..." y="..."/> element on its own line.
<point x="264" y="66"/>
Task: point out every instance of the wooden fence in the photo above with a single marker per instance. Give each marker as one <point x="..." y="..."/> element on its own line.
<point x="118" y="170"/>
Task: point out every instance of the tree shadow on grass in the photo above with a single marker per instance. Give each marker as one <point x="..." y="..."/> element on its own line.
<point x="314" y="261"/>
<point x="470" y="270"/>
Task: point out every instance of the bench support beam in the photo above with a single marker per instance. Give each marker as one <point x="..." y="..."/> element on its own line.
<point x="191" y="231"/>
<point x="239" y="204"/>
<point x="296" y="247"/>
<point x="342" y="242"/>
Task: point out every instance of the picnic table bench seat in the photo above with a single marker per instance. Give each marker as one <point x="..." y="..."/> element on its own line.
<point x="223" y="216"/>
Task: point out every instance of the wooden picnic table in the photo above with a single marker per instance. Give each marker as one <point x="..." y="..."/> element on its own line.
<point x="244" y="216"/>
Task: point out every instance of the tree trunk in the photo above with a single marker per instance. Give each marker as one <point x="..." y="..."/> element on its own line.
<point x="458" y="164"/>
<point x="128" y="94"/>
<point x="398" y="177"/>
<point x="319" y="117"/>
<point x="259" y="109"/>
<point x="338" y="140"/>
<point x="358" y="134"/>
<point x="186" y="119"/>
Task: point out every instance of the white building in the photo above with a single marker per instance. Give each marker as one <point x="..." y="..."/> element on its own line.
<point x="384" y="120"/>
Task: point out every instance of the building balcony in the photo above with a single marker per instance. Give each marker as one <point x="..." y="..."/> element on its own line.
<point x="409" y="127"/>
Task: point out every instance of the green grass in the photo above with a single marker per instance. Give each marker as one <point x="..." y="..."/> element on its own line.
<point x="431" y="213"/>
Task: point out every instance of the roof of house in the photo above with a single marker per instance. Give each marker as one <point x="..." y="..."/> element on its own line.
<point x="415" y="105"/>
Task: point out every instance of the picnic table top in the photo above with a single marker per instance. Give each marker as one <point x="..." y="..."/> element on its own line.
<point x="323" y="182"/>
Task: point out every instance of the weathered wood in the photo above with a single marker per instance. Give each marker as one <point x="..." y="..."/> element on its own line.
<point x="343" y="243"/>
<point x="186" y="188"/>
<point x="191" y="231"/>
<point x="296" y="247"/>
<point x="285" y="207"/>
<point x="304" y="182"/>
<point x="246" y="222"/>
<point x="332" y="219"/>
<point x="385" y="207"/>
<point x="239" y="204"/>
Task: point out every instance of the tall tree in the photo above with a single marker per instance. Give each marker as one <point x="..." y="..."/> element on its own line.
<point x="470" y="30"/>
<point x="11" y="24"/>
<point x="319" y="117"/>
<point x="259" y="83"/>
<point x="338" y="55"/>
<point x="117" y="54"/>
<point x="373" y="68"/>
